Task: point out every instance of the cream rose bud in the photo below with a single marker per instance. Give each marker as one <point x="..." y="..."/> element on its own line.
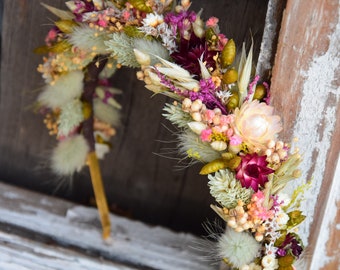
<point x="256" y="124"/>
<point x="269" y="262"/>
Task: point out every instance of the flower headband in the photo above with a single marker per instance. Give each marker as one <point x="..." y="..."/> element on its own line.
<point x="221" y="110"/>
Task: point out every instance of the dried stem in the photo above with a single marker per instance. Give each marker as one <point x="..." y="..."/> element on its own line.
<point x="90" y="84"/>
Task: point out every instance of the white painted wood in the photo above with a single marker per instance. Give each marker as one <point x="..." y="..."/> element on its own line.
<point x="316" y="122"/>
<point x="312" y="53"/>
<point x="77" y="227"/>
<point x="320" y="258"/>
<point x="19" y="253"/>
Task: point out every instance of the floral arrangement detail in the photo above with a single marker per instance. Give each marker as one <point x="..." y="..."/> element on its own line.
<point x="221" y="108"/>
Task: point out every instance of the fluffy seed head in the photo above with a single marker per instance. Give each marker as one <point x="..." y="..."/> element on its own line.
<point x="105" y="112"/>
<point x="64" y="90"/>
<point x="237" y="248"/>
<point x="69" y="156"/>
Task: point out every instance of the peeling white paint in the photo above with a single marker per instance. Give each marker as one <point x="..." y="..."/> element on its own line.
<point x="320" y="257"/>
<point x="134" y="242"/>
<point x="18" y="253"/>
<point x="315" y="111"/>
<point x="269" y="33"/>
<point x="11" y="195"/>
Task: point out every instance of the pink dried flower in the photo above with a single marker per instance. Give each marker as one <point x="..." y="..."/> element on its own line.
<point x="206" y="135"/>
<point x="253" y="171"/>
<point x="256" y="209"/>
<point x="222" y="41"/>
<point x="235" y="140"/>
<point x="209" y="115"/>
<point x="212" y="22"/>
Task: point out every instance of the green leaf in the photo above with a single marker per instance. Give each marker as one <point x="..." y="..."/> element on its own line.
<point x="60" y="47"/>
<point x="209" y="34"/>
<point x="42" y="50"/>
<point x="134" y="32"/>
<point x="66" y="26"/>
<point x="295" y="218"/>
<point x="141" y="5"/>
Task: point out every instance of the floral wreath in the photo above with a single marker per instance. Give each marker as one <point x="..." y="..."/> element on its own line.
<point x="220" y="107"/>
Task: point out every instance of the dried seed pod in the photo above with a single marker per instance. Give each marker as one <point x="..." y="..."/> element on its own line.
<point x="233" y="101"/>
<point x="230" y="76"/>
<point x="196" y="105"/>
<point x="219" y="145"/>
<point x="213" y="166"/>
<point x="228" y="53"/>
<point x="196" y="116"/>
<point x="260" y="92"/>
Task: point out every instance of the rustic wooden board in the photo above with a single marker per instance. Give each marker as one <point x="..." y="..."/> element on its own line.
<point x="305" y="90"/>
<point x="19" y="253"/>
<point x="137" y="181"/>
<point x="50" y="222"/>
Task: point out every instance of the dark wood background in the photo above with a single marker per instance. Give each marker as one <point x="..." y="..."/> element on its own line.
<point x="138" y="183"/>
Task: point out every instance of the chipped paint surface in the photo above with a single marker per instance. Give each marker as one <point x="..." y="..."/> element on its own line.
<point x="316" y="122"/>
<point x="321" y="258"/>
<point x="305" y="91"/>
<point x="18" y="253"/>
<point x="134" y="243"/>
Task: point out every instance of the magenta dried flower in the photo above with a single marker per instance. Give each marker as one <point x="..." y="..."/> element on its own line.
<point x="253" y="171"/>
<point x="190" y="51"/>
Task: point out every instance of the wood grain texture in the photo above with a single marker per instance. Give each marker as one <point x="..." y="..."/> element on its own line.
<point x="19" y="253"/>
<point x="305" y="90"/>
<point x="53" y="233"/>
<point x="138" y="182"/>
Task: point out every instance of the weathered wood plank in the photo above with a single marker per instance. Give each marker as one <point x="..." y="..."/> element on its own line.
<point x="76" y="227"/>
<point x="146" y="186"/>
<point x="19" y="253"/>
<point x="305" y="89"/>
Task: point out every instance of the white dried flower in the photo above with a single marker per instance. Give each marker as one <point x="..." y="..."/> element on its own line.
<point x="223" y="96"/>
<point x="281" y="218"/>
<point x="227" y="190"/>
<point x="153" y="19"/>
<point x="269" y="262"/>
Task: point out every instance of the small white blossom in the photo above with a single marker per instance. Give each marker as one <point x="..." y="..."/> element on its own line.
<point x="224" y="96"/>
<point x="153" y="19"/>
<point x="269" y="262"/>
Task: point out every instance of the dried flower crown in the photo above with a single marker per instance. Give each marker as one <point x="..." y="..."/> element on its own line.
<point x="221" y="109"/>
